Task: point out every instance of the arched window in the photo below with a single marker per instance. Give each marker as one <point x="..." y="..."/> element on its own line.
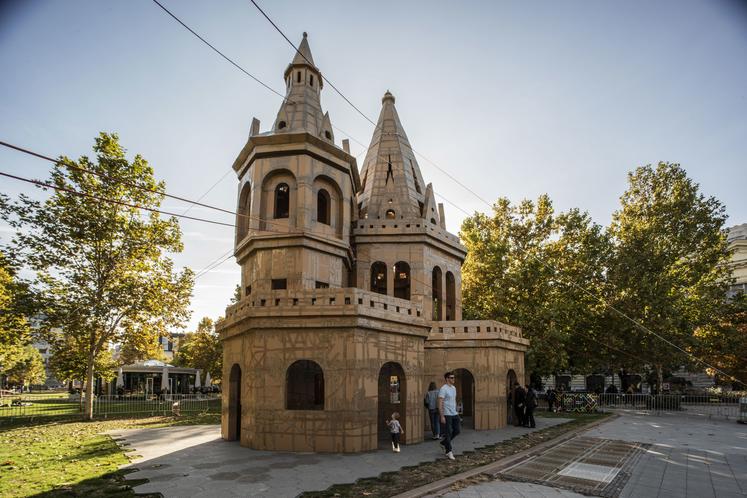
<point x="390" y="214"/>
<point x="402" y="280"/>
<point x="304" y="386"/>
<point x="437" y="295"/>
<point x="450" y="296"/>
<point x="433" y="220"/>
<point x="311" y="80"/>
<point x="328" y="135"/>
<point x="281" y="125"/>
<point x="242" y="216"/>
<point x="282" y="200"/>
<point x="322" y="206"/>
<point x="378" y="277"/>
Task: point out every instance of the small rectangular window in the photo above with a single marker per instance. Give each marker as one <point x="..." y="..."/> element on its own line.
<point x="248" y="290"/>
<point x="298" y="77"/>
<point x="321" y="285"/>
<point x="279" y="283"/>
<point x="311" y="80"/>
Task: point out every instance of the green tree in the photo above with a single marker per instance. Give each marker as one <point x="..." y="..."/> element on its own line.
<point x="68" y="364"/>
<point x="99" y="257"/>
<point x="724" y="344"/>
<point x="579" y="253"/>
<point x="29" y="369"/>
<point x="15" y="332"/>
<point x="202" y="349"/>
<point x="236" y="294"/>
<point x="520" y="264"/>
<point x="137" y="347"/>
<point x="670" y="269"/>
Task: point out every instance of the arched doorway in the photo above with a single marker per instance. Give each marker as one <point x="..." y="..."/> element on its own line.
<point x="392" y="397"/>
<point x="510" y="388"/>
<point x="465" y="386"/>
<point x="234" y="404"/>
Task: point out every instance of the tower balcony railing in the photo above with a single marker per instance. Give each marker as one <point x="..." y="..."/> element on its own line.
<point x="333" y="301"/>
<point x="368" y="226"/>
<point x="476" y="328"/>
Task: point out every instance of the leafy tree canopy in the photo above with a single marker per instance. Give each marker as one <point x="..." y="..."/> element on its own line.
<point x="99" y="257"/>
<point x="202" y="349"/>
<point x="29" y="369"/>
<point x="519" y="268"/>
<point x="670" y="270"/>
<point x="16" y="303"/>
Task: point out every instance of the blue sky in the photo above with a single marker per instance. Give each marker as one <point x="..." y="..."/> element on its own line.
<point x="515" y="99"/>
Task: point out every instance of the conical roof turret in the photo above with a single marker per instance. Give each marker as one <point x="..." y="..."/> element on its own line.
<point x="303" y="54"/>
<point x="301" y="111"/>
<point x="392" y="185"/>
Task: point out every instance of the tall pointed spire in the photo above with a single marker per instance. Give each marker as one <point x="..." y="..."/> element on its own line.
<point x="301" y="111"/>
<point x="303" y="55"/>
<point x="392" y="182"/>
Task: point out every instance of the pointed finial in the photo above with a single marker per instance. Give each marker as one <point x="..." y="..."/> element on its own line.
<point x="305" y="34"/>
<point x="387" y="96"/>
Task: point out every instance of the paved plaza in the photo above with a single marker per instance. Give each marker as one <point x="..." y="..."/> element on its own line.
<point x="193" y="461"/>
<point x="688" y="458"/>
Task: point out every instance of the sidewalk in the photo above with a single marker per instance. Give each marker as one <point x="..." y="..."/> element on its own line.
<point x="192" y="461"/>
<point x="688" y="458"/>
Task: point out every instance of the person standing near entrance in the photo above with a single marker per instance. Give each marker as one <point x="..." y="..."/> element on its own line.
<point x="531" y="404"/>
<point x="395" y="429"/>
<point x="519" y="406"/>
<point x="431" y="402"/>
<point x="448" y="414"/>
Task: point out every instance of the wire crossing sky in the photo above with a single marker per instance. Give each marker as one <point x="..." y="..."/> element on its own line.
<point x="513" y="100"/>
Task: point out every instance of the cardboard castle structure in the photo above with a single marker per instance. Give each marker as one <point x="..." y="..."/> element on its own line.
<point x="350" y="290"/>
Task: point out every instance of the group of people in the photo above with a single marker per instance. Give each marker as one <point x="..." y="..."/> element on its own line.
<point x="443" y="414"/>
<point x="524" y="401"/>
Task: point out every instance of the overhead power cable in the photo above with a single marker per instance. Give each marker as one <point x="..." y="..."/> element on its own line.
<point x="224" y="56"/>
<point x="356" y="107"/>
<point x="136" y="186"/>
<point x="113" y="201"/>
<point x="457" y="181"/>
<point x="599" y="298"/>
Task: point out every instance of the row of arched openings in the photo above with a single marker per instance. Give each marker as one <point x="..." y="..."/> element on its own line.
<point x="281" y="206"/>
<point x="304" y="383"/>
<point x="442" y="309"/>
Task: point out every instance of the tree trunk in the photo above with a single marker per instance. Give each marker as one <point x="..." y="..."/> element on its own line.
<point x="88" y="407"/>
<point x="659" y="379"/>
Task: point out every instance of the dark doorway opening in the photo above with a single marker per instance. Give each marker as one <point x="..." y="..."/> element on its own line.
<point x="465" y="387"/>
<point x="392" y="397"/>
<point x="510" y="390"/>
<point x="234" y="404"/>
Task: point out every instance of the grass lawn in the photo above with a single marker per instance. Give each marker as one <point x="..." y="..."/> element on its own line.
<point x="407" y="478"/>
<point x="71" y="458"/>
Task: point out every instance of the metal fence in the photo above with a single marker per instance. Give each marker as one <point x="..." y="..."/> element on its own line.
<point x="48" y="405"/>
<point x="725" y="406"/>
<point x="169" y="404"/>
